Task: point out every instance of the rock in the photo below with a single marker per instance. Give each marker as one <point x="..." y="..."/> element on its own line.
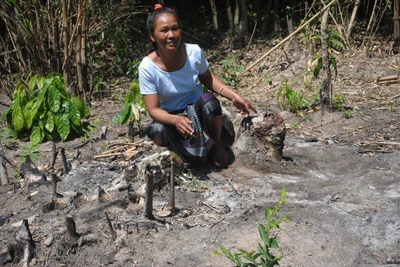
<point x="48" y="241"/>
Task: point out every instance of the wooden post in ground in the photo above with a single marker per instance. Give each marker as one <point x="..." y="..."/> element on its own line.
<point x="3" y="168"/>
<point x="172" y="187"/>
<point x="64" y="161"/>
<point x="148" y="213"/>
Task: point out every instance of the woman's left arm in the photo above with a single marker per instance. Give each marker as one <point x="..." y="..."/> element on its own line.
<point x="216" y="85"/>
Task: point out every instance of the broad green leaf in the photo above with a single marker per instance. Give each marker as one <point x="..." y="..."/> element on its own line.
<point x="227" y="253"/>
<point x="50" y="122"/>
<point x="28" y="115"/>
<point x="238" y="259"/>
<point x="37" y="135"/>
<point x="40" y="82"/>
<point x="334" y="64"/>
<point x="32" y="82"/>
<point x="265" y="253"/>
<point x="17" y="117"/>
<point x="274" y="243"/>
<point x="63" y="127"/>
<point x="129" y="98"/>
<point x="54" y="99"/>
<point x="74" y="115"/>
<point x="41" y="98"/>
<point x="125" y="114"/>
<point x="87" y="112"/>
<point x="135" y="111"/>
<point x="263" y="234"/>
<point x="272" y="224"/>
<point x="268" y="213"/>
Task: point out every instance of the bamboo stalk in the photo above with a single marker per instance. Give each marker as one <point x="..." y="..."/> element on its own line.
<point x="115" y="149"/>
<point x="106" y="155"/>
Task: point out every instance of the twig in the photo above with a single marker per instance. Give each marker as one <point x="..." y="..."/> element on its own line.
<point x="251" y="38"/>
<point x="112" y="231"/>
<point x="115" y="149"/>
<point x="106" y="155"/>
<point x="211" y="207"/>
<point x="217" y="222"/>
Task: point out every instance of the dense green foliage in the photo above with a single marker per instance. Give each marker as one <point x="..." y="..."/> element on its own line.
<point x="44" y="109"/>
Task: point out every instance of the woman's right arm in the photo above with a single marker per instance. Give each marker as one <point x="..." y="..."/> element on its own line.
<point x="181" y="123"/>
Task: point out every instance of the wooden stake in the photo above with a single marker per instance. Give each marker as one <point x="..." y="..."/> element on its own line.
<point x="3" y="168"/>
<point x="54" y="154"/>
<point x="104" y="132"/>
<point x="112" y="231"/>
<point x="149" y="195"/>
<point x="172" y="187"/>
<point x="71" y="236"/>
<point x="64" y="161"/>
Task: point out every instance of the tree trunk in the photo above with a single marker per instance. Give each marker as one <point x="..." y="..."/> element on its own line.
<point x="352" y="18"/>
<point x="295" y="43"/>
<point x="214" y="14"/>
<point x="371" y="19"/>
<point x="236" y="20"/>
<point x="276" y="17"/>
<point x="229" y="12"/>
<point x="81" y="49"/>
<point x="266" y="20"/>
<point x="324" y="93"/>
<point x="66" y="68"/>
<point x="396" y="18"/>
<point x="3" y="168"/>
<point x="243" y="27"/>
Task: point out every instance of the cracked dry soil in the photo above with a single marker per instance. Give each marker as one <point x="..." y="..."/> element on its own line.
<point x="343" y="187"/>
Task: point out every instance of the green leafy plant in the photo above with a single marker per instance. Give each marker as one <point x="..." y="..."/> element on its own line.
<point x="230" y="71"/>
<point x="44" y="109"/>
<point x="334" y="43"/>
<point x="264" y="255"/>
<point x="338" y="102"/>
<point x="291" y="99"/>
<point x="133" y="106"/>
<point x="30" y="150"/>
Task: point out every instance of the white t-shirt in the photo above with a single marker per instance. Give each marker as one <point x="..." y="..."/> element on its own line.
<point x="175" y="89"/>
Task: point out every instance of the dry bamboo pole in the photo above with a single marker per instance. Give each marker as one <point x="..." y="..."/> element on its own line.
<point x="352" y="18"/>
<point x="287" y="38"/>
<point x="214" y="14"/>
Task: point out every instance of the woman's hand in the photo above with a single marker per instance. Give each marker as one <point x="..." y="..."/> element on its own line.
<point x="182" y="124"/>
<point x="243" y="105"/>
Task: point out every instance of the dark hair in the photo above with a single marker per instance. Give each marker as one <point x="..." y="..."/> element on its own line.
<point x="151" y="20"/>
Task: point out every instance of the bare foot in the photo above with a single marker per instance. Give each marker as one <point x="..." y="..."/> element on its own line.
<point x="219" y="156"/>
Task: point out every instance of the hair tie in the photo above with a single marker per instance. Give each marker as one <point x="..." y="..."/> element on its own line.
<point x="157" y="6"/>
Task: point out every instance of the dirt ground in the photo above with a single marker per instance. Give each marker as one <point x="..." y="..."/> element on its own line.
<point x="341" y="176"/>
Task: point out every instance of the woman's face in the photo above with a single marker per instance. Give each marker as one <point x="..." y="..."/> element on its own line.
<point x="167" y="33"/>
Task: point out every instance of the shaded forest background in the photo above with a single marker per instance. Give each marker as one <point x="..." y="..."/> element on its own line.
<point x="91" y="41"/>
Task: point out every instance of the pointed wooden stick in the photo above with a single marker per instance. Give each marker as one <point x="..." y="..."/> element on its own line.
<point x="172" y="187"/>
<point x="3" y="168"/>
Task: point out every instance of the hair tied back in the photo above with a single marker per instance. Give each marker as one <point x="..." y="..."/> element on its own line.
<point x="157" y="6"/>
